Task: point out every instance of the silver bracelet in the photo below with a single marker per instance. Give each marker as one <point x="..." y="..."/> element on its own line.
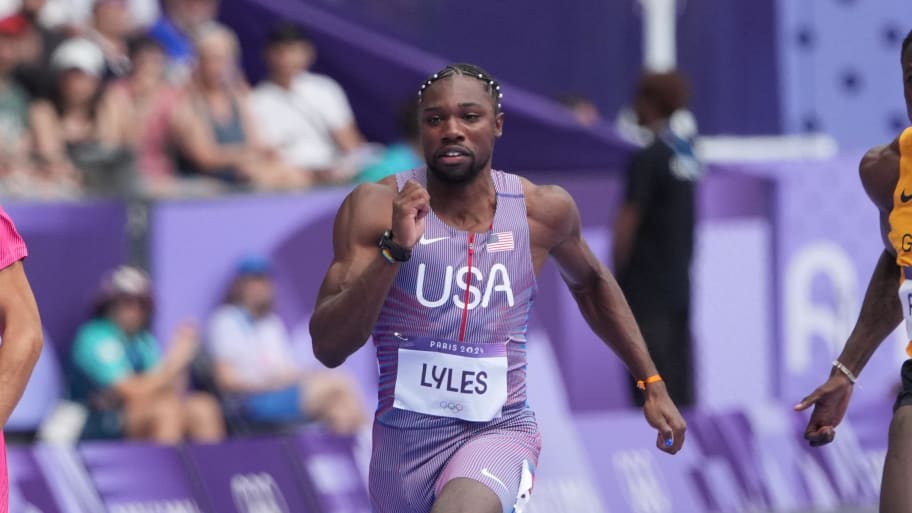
<point x="845" y="370"/>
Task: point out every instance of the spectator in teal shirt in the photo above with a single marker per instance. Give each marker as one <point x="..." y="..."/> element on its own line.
<point x="130" y="388"/>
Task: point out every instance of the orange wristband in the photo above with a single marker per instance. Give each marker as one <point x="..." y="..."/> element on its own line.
<point x="655" y="378"/>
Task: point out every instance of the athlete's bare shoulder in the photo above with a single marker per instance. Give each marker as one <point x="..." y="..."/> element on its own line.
<point x="879" y="170"/>
<point x="372" y="191"/>
<point x="372" y="195"/>
<point x="552" y="214"/>
<point x="365" y="212"/>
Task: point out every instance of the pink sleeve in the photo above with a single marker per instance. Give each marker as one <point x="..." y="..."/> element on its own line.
<point x="12" y="247"/>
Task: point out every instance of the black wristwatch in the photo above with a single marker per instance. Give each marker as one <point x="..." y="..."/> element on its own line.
<point x="391" y="251"/>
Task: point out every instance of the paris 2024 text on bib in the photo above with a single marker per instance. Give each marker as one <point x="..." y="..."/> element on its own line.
<point x="441" y="377"/>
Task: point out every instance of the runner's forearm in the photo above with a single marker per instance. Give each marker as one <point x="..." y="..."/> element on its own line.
<point x="603" y="306"/>
<point x="880" y="313"/>
<point x="342" y="322"/>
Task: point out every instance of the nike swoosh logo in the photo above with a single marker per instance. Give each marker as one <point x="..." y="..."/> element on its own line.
<point x="425" y="242"/>
<point x="903" y="198"/>
<point x="485" y="472"/>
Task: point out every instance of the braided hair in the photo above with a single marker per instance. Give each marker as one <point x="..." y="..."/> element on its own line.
<point x="467" y="70"/>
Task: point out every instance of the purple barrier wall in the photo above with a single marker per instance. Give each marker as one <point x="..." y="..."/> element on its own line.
<point x="160" y="483"/>
<point x="733" y="460"/>
<point x="248" y="476"/>
<point x="71" y="245"/>
<point x="311" y="472"/>
<point x="52" y="479"/>
<point x="632" y="475"/>
<point x="29" y="488"/>
<point x="328" y="465"/>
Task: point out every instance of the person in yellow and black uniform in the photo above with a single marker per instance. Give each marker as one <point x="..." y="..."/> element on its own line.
<point x="886" y="174"/>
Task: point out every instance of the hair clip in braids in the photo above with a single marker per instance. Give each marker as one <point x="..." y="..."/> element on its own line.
<point x="467" y="70"/>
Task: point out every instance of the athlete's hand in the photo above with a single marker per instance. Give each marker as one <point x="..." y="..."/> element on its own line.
<point x="830" y="402"/>
<point x="663" y="415"/>
<point x="410" y="207"/>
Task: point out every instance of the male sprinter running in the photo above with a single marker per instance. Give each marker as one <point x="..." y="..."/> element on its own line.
<point x="446" y="296"/>
<point x="886" y="174"/>
<point x="20" y="330"/>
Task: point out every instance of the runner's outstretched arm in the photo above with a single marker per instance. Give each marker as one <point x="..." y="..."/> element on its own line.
<point x="603" y="306"/>
<point x="880" y="314"/>
<point x="880" y="311"/>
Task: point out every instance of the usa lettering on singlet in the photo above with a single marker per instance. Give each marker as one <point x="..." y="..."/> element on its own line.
<point x="901" y="229"/>
<point x="451" y="335"/>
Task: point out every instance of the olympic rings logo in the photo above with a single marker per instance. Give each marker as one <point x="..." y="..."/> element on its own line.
<point x="257" y="493"/>
<point x="448" y="405"/>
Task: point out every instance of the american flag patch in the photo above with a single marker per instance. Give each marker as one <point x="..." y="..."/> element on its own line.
<point x="500" y="241"/>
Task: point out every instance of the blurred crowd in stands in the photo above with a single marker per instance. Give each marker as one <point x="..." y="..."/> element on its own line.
<point x="133" y="97"/>
<point x="236" y="375"/>
<point x="147" y="99"/>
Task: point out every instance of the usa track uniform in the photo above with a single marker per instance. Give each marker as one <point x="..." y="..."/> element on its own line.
<point x="451" y="347"/>
<point x="12" y="250"/>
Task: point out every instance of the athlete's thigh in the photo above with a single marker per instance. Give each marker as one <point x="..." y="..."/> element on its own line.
<point x="463" y="494"/>
<point x="895" y="492"/>
<point x="502" y="462"/>
<point x="405" y="465"/>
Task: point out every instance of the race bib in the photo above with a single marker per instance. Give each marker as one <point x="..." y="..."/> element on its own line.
<point x="452" y="379"/>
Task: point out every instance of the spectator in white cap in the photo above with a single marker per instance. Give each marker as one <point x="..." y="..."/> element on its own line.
<point x="66" y="127"/>
<point x="80" y="54"/>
